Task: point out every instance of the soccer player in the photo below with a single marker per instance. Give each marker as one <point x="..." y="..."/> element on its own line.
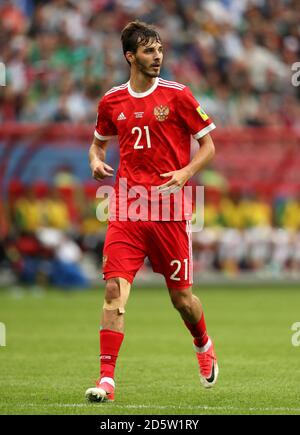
<point x="154" y="120"/>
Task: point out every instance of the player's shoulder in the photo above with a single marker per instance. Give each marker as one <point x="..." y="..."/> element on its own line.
<point x="115" y="91"/>
<point x="172" y="86"/>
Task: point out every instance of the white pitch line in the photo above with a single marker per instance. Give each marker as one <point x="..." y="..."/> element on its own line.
<point x="161" y="407"/>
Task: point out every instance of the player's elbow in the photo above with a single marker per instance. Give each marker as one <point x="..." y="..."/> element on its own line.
<point x="211" y="150"/>
<point x="207" y="144"/>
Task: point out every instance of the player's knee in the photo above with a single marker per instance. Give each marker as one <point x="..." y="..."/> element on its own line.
<point x="112" y="290"/>
<point x="116" y="294"/>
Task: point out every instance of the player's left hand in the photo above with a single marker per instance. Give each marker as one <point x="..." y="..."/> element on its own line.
<point x="178" y="180"/>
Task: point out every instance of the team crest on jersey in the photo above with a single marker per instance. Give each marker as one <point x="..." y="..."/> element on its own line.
<point x="161" y="112"/>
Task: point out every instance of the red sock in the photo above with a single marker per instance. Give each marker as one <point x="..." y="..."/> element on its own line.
<point x="110" y="343"/>
<point x="198" y="331"/>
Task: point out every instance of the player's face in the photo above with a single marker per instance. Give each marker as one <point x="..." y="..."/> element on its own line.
<point x="148" y="58"/>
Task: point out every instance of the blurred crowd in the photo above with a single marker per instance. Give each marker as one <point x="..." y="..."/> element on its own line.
<point x="249" y="233"/>
<point x="51" y="235"/>
<point x="61" y="56"/>
<point x="236" y="55"/>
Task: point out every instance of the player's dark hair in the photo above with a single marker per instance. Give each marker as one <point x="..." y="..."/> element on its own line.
<point x="137" y="33"/>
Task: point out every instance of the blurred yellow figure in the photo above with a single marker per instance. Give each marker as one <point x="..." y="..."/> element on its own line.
<point x="211" y="215"/>
<point x="90" y="223"/>
<point x="237" y="212"/>
<point x="291" y="215"/>
<point x="28" y="212"/>
<point x="232" y="212"/>
<point x="257" y="213"/>
<point x="56" y="211"/>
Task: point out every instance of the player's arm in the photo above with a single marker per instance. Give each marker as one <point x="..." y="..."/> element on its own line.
<point x="97" y="154"/>
<point x="203" y="156"/>
<point x="104" y="130"/>
<point x="199" y="125"/>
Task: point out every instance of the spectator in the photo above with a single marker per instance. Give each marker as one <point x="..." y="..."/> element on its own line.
<point x="236" y="55"/>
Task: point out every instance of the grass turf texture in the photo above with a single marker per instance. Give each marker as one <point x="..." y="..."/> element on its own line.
<point x="51" y="355"/>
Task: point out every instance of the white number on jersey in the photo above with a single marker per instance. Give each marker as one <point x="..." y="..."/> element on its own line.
<point x="173" y="276"/>
<point x="140" y="133"/>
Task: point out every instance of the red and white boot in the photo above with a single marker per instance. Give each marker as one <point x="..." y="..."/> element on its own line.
<point x="104" y="391"/>
<point x="208" y="365"/>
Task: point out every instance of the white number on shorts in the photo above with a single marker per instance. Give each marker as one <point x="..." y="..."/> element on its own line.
<point x="173" y="276"/>
<point x="140" y="132"/>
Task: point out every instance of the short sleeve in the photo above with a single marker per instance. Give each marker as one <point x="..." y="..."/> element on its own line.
<point x="197" y="122"/>
<point x="105" y="128"/>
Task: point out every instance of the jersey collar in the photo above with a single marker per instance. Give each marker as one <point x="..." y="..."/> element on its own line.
<point x="143" y="94"/>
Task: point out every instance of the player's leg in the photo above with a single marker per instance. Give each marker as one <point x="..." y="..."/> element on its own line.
<point x="190" y="309"/>
<point x="111" y="337"/>
<point x="115" y="299"/>
<point x="123" y="256"/>
<point x="174" y="260"/>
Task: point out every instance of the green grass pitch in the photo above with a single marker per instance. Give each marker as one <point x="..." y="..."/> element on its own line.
<point x="51" y="353"/>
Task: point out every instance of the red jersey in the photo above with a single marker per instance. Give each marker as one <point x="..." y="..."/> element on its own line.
<point x="154" y="131"/>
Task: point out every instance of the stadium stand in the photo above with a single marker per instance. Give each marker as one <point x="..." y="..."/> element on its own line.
<point x="236" y="56"/>
<point x="61" y="55"/>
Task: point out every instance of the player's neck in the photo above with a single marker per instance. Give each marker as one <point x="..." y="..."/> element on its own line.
<point x="141" y="83"/>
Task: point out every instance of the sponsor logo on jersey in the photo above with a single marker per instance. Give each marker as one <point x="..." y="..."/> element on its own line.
<point x="161" y="112"/>
<point x="121" y="117"/>
<point x="203" y="115"/>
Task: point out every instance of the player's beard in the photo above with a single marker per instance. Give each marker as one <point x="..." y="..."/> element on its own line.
<point x="146" y="70"/>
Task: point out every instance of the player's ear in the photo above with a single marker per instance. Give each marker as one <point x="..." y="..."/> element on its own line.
<point x="129" y="57"/>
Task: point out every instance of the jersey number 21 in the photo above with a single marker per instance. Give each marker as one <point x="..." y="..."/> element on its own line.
<point x="139" y="131"/>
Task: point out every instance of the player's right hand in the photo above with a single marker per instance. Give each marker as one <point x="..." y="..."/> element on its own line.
<point x="101" y="170"/>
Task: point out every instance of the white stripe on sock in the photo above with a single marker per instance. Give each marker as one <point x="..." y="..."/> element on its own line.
<point x="204" y="348"/>
<point x="108" y="381"/>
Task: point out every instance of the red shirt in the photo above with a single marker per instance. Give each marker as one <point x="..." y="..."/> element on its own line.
<point x="154" y="130"/>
